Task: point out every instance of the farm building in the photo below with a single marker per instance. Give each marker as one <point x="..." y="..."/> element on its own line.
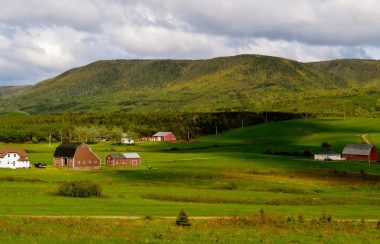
<point x="123" y="159"/>
<point x="163" y="136"/>
<point x="362" y="152"/>
<point x="327" y="155"/>
<point x="75" y="155"/>
<point x="14" y="158"/>
<point x="104" y="137"/>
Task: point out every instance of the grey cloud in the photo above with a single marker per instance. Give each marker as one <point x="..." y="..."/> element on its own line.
<point x="41" y="38"/>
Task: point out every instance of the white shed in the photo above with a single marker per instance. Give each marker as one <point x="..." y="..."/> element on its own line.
<point x="328" y="155"/>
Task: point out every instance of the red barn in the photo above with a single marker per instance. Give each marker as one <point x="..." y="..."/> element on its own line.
<point x="361" y="152"/>
<point x="75" y="156"/>
<point x="163" y="136"/>
<point x="123" y="159"/>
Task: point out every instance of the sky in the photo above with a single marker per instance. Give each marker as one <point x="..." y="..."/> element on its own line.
<point x="40" y="39"/>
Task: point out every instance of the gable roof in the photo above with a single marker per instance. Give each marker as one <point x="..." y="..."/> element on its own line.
<point x="66" y="149"/>
<point x="21" y="152"/>
<point x="124" y="155"/>
<point x="357" y="149"/>
<point x="162" y="133"/>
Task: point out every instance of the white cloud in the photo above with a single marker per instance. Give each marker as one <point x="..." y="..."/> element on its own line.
<point x="41" y="38"/>
<point x="154" y="41"/>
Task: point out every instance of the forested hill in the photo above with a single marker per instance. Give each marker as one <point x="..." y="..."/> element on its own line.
<point x="239" y="83"/>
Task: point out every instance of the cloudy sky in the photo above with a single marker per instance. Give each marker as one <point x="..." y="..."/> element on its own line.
<point x="42" y="38"/>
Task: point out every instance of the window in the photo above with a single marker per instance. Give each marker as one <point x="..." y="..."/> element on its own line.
<point x="14" y="155"/>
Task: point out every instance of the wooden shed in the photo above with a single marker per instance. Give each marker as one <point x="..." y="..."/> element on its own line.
<point x="123" y="159"/>
<point x="163" y="136"/>
<point x="361" y="152"/>
<point x="75" y="155"/>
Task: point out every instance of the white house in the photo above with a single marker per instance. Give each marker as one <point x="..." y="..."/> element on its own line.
<point x="126" y="140"/>
<point x="328" y="155"/>
<point x="14" y="158"/>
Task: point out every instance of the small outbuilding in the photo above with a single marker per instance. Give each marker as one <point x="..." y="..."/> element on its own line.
<point x="328" y="155"/>
<point x="361" y="152"/>
<point x="123" y="159"/>
<point x="163" y="136"/>
<point x="76" y="156"/>
<point x="14" y="158"/>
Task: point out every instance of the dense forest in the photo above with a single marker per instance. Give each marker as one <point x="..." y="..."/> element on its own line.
<point x="16" y="127"/>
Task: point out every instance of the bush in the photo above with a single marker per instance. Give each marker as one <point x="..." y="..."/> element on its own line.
<point x="182" y="219"/>
<point x="82" y="188"/>
<point x="325" y="144"/>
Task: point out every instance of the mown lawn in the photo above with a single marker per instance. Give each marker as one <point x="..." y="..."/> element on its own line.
<point x="224" y="175"/>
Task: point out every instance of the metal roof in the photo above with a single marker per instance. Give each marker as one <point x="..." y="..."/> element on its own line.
<point x="125" y="155"/>
<point x="327" y="153"/>
<point x="131" y="155"/>
<point x="357" y="149"/>
<point x="162" y="133"/>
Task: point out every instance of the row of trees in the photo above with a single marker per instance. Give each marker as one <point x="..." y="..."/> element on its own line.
<point x="86" y="127"/>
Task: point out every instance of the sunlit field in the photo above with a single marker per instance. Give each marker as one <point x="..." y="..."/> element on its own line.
<point x="216" y="176"/>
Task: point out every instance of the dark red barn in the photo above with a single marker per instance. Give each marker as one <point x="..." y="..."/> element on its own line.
<point x="163" y="136"/>
<point x="75" y="156"/>
<point x="361" y="152"/>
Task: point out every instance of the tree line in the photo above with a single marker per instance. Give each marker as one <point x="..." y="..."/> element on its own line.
<point x="86" y="127"/>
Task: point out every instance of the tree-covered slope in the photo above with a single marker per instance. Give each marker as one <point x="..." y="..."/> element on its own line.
<point x="239" y="83"/>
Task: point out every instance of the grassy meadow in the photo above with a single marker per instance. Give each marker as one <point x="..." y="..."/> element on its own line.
<point x="221" y="175"/>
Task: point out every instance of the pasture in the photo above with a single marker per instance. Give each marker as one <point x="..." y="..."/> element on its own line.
<point x="222" y="175"/>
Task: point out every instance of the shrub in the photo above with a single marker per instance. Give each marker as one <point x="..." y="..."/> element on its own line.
<point x="325" y="144"/>
<point x="301" y="218"/>
<point x="182" y="219"/>
<point x="82" y="188"/>
<point x="378" y="225"/>
<point x="231" y="186"/>
<point x="325" y="218"/>
<point x="307" y="153"/>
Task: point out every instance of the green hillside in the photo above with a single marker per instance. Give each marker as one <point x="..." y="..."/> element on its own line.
<point x="239" y="83"/>
<point x="11" y="91"/>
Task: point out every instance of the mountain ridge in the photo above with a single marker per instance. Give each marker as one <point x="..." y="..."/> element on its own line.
<point x="235" y="83"/>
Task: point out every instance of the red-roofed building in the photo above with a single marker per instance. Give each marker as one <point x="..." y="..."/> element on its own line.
<point x="163" y="136"/>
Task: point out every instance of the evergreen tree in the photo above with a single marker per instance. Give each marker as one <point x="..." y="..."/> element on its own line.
<point x="182" y="219"/>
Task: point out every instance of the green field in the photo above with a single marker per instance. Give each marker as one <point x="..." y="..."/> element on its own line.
<point x="223" y="175"/>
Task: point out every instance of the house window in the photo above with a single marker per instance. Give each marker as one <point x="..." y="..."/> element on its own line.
<point x="15" y="155"/>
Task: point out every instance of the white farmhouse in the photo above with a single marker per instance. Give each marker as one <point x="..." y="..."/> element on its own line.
<point x="14" y="158"/>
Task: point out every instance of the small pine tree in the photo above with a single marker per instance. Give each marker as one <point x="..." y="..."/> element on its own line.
<point x="182" y="219"/>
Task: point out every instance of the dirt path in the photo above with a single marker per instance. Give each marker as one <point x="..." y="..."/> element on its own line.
<point x="366" y="139"/>
<point x="134" y="217"/>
